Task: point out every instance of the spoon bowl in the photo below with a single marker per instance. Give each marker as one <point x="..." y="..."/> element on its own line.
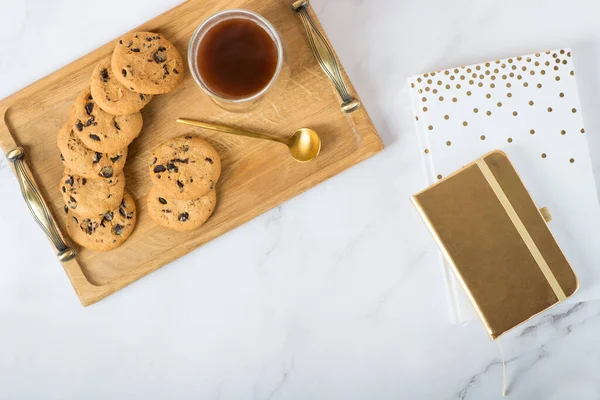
<point x="304" y="145"/>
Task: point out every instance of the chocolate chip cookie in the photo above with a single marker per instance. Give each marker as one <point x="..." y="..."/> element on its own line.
<point x="91" y="197"/>
<point x="146" y="62"/>
<point x="106" y="232"/>
<point x="180" y="215"/>
<point x="185" y="168"/>
<point x="101" y="131"/>
<point x="85" y="162"/>
<point x="111" y="96"/>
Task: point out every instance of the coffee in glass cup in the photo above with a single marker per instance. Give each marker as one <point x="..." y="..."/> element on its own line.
<point x="238" y="58"/>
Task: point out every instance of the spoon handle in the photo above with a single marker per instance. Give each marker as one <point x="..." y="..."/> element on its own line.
<point x="233" y="131"/>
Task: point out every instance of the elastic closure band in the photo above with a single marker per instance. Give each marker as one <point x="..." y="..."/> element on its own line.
<point x="514" y="217"/>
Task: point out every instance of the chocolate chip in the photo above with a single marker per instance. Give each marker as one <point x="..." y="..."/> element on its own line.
<point x="66" y="209"/>
<point x="108" y="216"/>
<point x="97" y="158"/>
<point x="83" y="181"/>
<point x="209" y="160"/>
<point x="120" y="42"/>
<point x="135" y="50"/>
<point x="90" y="121"/>
<point x="148" y="38"/>
<point x="180" y="184"/>
<point x="175" y="71"/>
<point x="79" y="125"/>
<point x="95" y="138"/>
<point x="90" y="226"/>
<point x="104" y="75"/>
<point x="90" y="97"/>
<point x="160" y="56"/>
<point x="124" y="72"/>
<point x="131" y="88"/>
<point x="142" y="97"/>
<point x="129" y="44"/>
<point x="185" y="148"/>
<point x="137" y="37"/>
<point x="122" y="212"/>
<point x="154" y="161"/>
<point x="72" y="202"/>
<point x="179" y="160"/>
<point x="70" y="181"/>
<point x="159" y="168"/>
<point x="89" y="107"/>
<point x="75" y="219"/>
<point x="212" y="184"/>
<point x="62" y="158"/>
<point x="128" y="215"/>
<point x="191" y="180"/>
<point x="115" y="158"/>
<point x="117" y="125"/>
<point x="118" y="229"/>
<point x="172" y="167"/>
<point x="166" y="70"/>
<point x="188" y="137"/>
<point x="64" y="189"/>
<point x="167" y="211"/>
<point x="183" y="217"/>
<point x="162" y="201"/>
<point x="107" y="172"/>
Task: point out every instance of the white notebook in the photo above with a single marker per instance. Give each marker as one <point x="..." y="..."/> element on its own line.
<point x="528" y="107"/>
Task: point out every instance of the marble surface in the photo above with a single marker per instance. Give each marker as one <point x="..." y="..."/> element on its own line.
<point x="253" y="314"/>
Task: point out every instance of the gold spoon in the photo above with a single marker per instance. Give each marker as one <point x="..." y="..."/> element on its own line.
<point x="304" y="144"/>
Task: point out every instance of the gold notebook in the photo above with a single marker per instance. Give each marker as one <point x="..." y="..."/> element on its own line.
<point x="497" y="242"/>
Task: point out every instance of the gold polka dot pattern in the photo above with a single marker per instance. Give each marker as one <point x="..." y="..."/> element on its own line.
<point x="479" y="87"/>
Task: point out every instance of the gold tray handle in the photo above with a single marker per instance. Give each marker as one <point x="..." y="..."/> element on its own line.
<point x="325" y="56"/>
<point x="36" y="204"/>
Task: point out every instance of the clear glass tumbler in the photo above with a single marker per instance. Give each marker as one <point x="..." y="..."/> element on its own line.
<point x="270" y="91"/>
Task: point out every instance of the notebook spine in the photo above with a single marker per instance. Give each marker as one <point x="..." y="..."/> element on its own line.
<point x="422" y="138"/>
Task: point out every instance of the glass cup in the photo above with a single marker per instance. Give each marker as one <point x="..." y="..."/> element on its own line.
<point x="269" y="92"/>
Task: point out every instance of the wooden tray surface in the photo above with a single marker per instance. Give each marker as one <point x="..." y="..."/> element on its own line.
<point x="257" y="175"/>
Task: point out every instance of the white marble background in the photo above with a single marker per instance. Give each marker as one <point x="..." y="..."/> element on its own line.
<point x="253" y="314"/>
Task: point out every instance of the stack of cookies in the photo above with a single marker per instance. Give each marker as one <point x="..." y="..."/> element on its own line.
<point x="104" y="120"/>
<point x="184" y="173"/>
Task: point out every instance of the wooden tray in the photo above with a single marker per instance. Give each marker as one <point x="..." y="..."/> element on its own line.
<point x="257" y="175"/>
